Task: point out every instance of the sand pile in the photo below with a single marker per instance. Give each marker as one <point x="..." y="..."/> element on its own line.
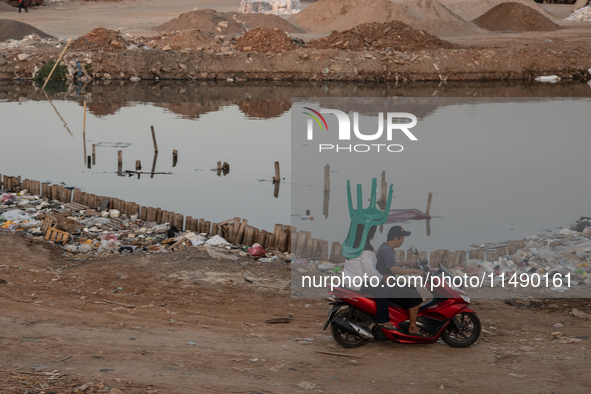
<point x="7" y="8"/>
<point x="515" y="17"/>
<point x="14" y="30"/>
<point x="472" y="9"/>
<point x="193" y="39"/>
<point x="226" y="23"/>
<point x="329" y="15"/>
<point x="395" y="36"/>
<point x="100" y="39"/>
<point x="265" y="40"/>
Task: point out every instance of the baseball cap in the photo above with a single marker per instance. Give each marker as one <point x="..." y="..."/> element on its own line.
<point x="397" y="232"/>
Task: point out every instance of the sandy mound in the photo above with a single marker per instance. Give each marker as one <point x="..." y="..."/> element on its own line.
<point x="100" y="39"/>
<point x="15" y="30"/>
<point x="6" y="8"/>
<point x="515" y="17"/>
<point x="265" y="40"/>
<point x="226" y="23"/>
<point x="394" y="35"/>
<point x="472" y="9"/>
<point x="329" y="15"/>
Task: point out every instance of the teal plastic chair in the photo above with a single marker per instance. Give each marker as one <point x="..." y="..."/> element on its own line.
<point x="370" y="216"/>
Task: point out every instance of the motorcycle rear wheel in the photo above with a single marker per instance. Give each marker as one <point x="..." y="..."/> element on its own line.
<point x="346" y="339"/>
<point x="469" y="332"/>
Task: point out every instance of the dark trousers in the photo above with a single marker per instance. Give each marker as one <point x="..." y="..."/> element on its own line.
<point x="382" y="304"/>
<point x="22" y="5"/>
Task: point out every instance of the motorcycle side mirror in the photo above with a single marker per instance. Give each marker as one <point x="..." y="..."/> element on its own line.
<point x="413" y="250"/>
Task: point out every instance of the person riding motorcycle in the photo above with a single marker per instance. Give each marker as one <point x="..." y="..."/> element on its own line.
<point x="407" y="297"/>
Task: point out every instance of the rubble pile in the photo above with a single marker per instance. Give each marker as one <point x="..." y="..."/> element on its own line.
<point x="515" y="17"/>
<point x="191" y="39"/>
<point x="567" y="253"/>
<point x="393" y="36"/>
<point x="580" y="15"/>
<point x="275" y="7"/>
<point x="83" y="231"/>
<point x="100" y="39"/>
<point x="265" y="40"/>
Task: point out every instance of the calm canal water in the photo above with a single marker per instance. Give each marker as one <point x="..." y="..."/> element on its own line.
<point x="498" y="184"/>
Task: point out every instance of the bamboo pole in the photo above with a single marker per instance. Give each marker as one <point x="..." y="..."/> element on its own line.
<point x="55" y="65"/>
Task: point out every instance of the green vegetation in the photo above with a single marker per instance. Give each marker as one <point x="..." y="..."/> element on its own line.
<point x="59" y="74"/>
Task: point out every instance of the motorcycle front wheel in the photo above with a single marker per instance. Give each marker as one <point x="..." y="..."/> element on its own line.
<point x="465" y="332"/>
<point x="346" y="339"/>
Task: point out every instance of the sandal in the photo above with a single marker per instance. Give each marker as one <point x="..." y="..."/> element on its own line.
<point x="420" y="333"/>
<point x="388" y="326"/>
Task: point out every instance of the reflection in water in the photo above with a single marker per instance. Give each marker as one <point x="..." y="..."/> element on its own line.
<point x="267" y="100"/>
<point x="253" y="145"/>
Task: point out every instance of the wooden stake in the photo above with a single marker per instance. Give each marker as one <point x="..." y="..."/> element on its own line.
<point x="154" y="139"/>
<point x="175" y="157"/>
<point x="119" y="162"/>
<point x="277" y="177"/>
<point x="93" y="154"/>
<point x="89" y="161"/>
<point x="84" y="130"/>
<point x="55" y="65"/>
<point x="429" y="203"/>
<point x="138" y="165"/>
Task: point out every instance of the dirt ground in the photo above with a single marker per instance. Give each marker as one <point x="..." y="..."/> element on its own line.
<point x="480" y="56"/>
<point x="184" y="322"/>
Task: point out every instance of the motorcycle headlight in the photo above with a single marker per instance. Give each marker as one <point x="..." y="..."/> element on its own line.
<point x="465" y="298"/>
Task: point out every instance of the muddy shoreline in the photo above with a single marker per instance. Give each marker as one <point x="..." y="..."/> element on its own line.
<point x="493" y="64"/>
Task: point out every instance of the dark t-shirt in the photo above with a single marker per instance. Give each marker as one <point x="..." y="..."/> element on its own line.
<point x="386" y="259"/>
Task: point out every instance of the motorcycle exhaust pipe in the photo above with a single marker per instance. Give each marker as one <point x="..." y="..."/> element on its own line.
<point x="352" y="328"/>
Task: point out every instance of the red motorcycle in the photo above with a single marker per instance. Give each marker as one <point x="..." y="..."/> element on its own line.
<point x="446" y="316"/>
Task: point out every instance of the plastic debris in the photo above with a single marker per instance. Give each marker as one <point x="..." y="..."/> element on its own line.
<point x="580" y="15"/>
<point x="548" y="78"/>
<point x="275" y="7"/>
<point x="256" y="250"/>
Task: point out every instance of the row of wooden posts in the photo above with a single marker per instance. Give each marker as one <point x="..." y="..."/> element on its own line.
<point x="237" y="231"/>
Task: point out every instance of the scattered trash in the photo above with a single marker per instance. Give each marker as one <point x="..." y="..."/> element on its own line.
<point x="256" y="250"/>
<point x="275" y="7"/>
<point x="548" y="78"/>
<point x="580" y="15"/>
<point x="191" y="343"/>
<point x="557" y="325"/>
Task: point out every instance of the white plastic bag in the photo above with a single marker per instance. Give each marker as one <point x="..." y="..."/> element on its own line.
<point x="217" y="240"/>
<point x="16" y="215"/>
